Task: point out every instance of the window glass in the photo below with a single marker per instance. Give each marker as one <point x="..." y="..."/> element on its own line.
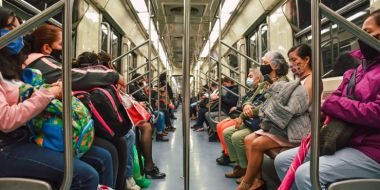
<point x="254" y="42"/>
<point x="337" y="41"/>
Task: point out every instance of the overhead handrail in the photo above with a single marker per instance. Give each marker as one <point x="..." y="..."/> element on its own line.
<point x="242" y="54"/>
<point x="31" y="23"/>
<point x="349" y="26"/>
<point x="328" y="72"/>
<point x="139" y="67"/>
<point x="138" y="90"/>
<point x="130" y="51"/>
<point x="237" y="82"/>
<point x="316" y="98"/>
<point x="67" y="94"/>
<point x="36" y="11"/>
<point x="342" y="10"/>
<point x="224" y="65"/>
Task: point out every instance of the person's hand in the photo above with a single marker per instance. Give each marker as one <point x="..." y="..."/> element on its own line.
<point x="56" y="90"/>
<point x="122" y="84"/>
<point x="143" y="104"/>
<point x="233" y="109"/>
<point x="214" y="97"/>
<point x="239" y="121"/>
<point x="247" y="110"/>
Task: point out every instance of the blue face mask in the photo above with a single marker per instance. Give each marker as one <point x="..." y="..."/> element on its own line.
<point x="249" y="82"/>
<point x="15" y="46"/>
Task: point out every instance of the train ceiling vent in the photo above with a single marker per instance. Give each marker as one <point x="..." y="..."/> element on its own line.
<point x="174" y="12"/>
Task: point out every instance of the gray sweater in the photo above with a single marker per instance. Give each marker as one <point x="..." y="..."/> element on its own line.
<point x="287" y="111"/>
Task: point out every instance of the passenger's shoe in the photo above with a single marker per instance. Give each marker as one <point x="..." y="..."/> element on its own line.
<point x="195" y="127"/>
<point x="131" y="184"/>
<point x="161" y="137"/>
<point x="172" y="129"/>
<point x="223" y="160"/>
<point x="154" y="173"/>
<point x="236" y="173"/>
<point x="213" y="138"/>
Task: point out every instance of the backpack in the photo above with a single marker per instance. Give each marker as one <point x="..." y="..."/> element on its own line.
<point x="47" y="127"/>
<point x="105" y="104"/>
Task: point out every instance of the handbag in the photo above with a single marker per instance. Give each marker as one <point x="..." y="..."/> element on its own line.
<point x="335" y="133"/>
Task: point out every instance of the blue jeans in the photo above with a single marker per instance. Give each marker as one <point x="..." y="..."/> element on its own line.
<point x="193" y="107"/>
<point x="347" y="163"/>
<point x="31" y="161"/>
<point x="160" y="125"/>
<point x="201" y="116"/>
<point x="130" y="138"/>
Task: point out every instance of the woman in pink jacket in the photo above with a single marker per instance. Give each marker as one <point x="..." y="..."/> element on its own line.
<point x="361" y="156"/>
<point x="18" y="156"/>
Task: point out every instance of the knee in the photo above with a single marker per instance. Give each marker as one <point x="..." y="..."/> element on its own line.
<point x="226" y="134"/>
<point x="302" y="176"/>
<point x="236" y="139"/>
<point x="85" y="177"/>
<point x="257" y="145"/>
<point x="247" y="141"/>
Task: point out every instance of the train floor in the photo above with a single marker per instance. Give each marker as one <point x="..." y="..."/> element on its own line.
<point x="205" y="174"/>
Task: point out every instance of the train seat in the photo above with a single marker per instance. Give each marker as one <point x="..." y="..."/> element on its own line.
<point x="13" y="183"/>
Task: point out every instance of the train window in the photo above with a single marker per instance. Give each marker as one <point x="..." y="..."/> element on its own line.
<point x="111" y="42"/>
<point x="298" y="12"/>
<point x="336" y="40"/>
<point x="257" y="38"/>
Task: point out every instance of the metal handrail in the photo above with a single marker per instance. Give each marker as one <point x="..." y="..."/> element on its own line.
<point x="130" y="51"/>
<point x="186" y="93"/>
<point x="36" y="11"/>
<point x="138" y="90"/>
<point x="67" y="95"/>
<point x="226" y="66"/>
<point x="242" y="54"/>
<point x="144" y="64"/>
<point x="135" y="79"/>
<point x="350" y="27"/>
<point x="316" y="96"/>
<point x="31" y="23"/>
<point x="237" y="82"/>
<point x="342" y="10"/>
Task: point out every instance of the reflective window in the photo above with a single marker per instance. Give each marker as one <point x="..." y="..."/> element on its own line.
<point x="259" y="37"/>
<point x="298" y="12"/>
<point x="336" y="41"/>
<point x="110" y="42"/>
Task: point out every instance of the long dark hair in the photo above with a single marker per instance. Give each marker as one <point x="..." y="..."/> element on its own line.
<point x="10" y="65"/>
<point x="376" y="15"/>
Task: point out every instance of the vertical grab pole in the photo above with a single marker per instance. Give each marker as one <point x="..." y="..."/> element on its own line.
<point x="186" y="92"/>
<point x="220" y="61"/>
<point x="316" y="100"/>
<point x="158" y="73"/>
<point x="67" y="117"/>
<point x="149" y="53"/>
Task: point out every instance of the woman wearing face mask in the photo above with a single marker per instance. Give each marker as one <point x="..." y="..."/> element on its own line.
<point x="359" y="106"/>
<point x="274" y="69"/>
<point x="46" y="56"/>
<point x="283" y="123"/>
<point x="19" y="157"/>
<point x="253" y="79"/>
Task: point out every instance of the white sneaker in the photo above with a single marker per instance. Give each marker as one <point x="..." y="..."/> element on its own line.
<point x="131" y="184"/>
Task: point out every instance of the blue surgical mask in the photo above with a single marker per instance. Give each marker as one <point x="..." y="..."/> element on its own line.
<point x="15" y="46"/>
<point x="249" y="82"/>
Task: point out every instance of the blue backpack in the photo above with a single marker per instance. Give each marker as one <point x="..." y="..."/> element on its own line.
<point x="47" y="127"/>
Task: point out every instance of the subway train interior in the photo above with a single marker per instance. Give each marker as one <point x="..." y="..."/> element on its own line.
<point x="190" y="94"/>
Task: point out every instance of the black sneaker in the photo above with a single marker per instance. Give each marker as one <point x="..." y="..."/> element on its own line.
<point x="172" y="129"/>
<point x="154" y="173"/>
<point x="223" y="160"/>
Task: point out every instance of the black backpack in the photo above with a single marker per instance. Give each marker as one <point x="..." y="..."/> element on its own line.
<point x="109" y="115"/>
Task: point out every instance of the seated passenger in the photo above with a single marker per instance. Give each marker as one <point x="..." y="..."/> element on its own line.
<point x="228" y="101"/>
<point x="18" y="156"/>
<point x="91" y="59"/>
<point x="285" y="116"/>
<point x="253" y="79"/>
<point x="274" y="69"/>
<point x="205" y="105"/>
<point x="361" y="156"/>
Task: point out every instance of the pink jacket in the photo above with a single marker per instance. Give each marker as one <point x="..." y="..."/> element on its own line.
<point x="364" y="112"/>
<point x="14" y="114"/>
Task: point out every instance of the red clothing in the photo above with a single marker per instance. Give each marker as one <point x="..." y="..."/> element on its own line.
<point x="226" y="123"/>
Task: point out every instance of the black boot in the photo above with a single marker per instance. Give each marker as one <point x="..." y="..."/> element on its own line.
<point x="223" y="160"/>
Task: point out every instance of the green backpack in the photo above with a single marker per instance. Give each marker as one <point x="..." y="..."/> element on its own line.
<point x="47" y="127"/>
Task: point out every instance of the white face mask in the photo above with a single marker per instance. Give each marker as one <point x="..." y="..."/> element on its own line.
<point x="249" y="82"/>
